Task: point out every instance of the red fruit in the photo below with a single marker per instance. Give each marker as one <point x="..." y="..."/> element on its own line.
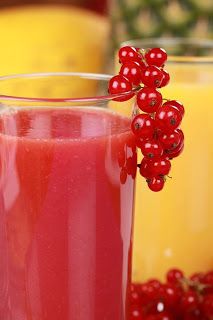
<point x="159" y="167"/>
<point x="139" y="141"/>
<point x="134" y="298"/>
<point x="121" y="158"/>
<point x="143" y="126"/>
<point x="165" y="316"/>
<point x="135" y="313"/>
<point x="149" y="100"/>
<point x="156" y="57"/>
<point x="189" y="301"/>
<point x="170" y="295"/>
<point x="194" y="315"/>
<point x="151" y="149"/>
<point x="170" y="140"/>
<point x="207" y="306"/>
<point x="178" y="105"/>
<point x="175" y="152"/>
<point x="132" y="71"/>
<point x="144" y="168"/>
<point x="208" y="280"/>
<point x="118" y="85"/>
<point x="128" y="53"/>
<point x="174" y="276"/>
<point x="197" y="277"/>
<point x="156" y="183"/>
<point x="167" y="118"/>
<point x="129" y="165"/>
<point x="160" y="316"/>
<point x="149" y="293"/>
<point x="166" y="79"/>
<point x="123" y="175"/>
<point x="143" y="65"/>
<point x="152" y="77"/>
<point x="135" y="287"/>
<point x="155" y="283"/>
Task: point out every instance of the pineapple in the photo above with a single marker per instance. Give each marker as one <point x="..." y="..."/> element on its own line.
<point x="141" y="19"/>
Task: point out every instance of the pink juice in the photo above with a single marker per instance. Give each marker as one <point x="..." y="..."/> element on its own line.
<point x="65" y="215"/>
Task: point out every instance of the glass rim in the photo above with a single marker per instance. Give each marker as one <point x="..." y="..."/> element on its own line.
<point x="173" y="41"/>
<point x="80" y="75"/>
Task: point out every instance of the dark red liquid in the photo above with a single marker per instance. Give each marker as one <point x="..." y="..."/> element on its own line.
<point x="65" y="217"/>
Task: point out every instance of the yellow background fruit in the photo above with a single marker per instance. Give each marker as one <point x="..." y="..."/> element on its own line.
<point x="52" y="38"/>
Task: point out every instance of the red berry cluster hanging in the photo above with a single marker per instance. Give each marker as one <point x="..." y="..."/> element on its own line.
<point x="178" y="298"/>
<point x="157" y="129"/>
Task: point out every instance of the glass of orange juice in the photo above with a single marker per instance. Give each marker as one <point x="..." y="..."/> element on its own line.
<point x="174" y="228"/>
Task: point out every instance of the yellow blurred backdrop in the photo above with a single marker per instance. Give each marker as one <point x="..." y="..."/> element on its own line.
<point x="52" y="38"/>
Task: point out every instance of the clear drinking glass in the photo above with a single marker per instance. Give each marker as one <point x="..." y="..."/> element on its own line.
<point x="174" y="228"/>
<point x="66" y="199"/>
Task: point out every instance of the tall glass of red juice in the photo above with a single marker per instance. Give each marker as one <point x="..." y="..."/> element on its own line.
<point x="67" y="170"/>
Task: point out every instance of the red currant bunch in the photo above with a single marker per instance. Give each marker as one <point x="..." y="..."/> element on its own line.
<point x="156" y="125"/>
<point x="177" y="298"/>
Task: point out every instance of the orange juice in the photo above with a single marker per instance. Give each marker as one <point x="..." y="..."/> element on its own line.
<point x="174" y="228"/>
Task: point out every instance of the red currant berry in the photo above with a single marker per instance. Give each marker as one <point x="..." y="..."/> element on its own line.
<point x="167" y="118"/>
<point x="118" y="85"/>
<point x="128" y="53"/>
<point x="194" y="315"/>
<point x="208" y="278"/>
<point x="151" y="149"/>
<point x="170" y="140"/>
<point x="174" y="276"/>
<point x="123" y="175"/>
<point x="181" y="135"/>
<point x="149" y="292"/>
<point x="165" y="316"/>
<point x="156" y="183"/>
<point x="189" y="301"/>
<point x="149" y="100"/>
<point x="143" y="65"/>
<point x="160" y="316"/>
<point x="160" y="167"/>
<point x="156" y="57"/>
<point x="135" y="287"/>
<point x="175" y="152"/>
<point x="152" y="77"/>
<point x="121" y="158"/>
<point x="166" y="79"/>
<point x="132" y="71"/>
<point x="143" y="126"/>
<point x="139" y="141"/>
<point x="207" y="306"/>
<point x="135" y="313"/>
<point x="155" y="283"/>
<point x="170" y="295"/>
<point x="151" y="317"/>
<point x="178" y="105"/>
<point x="134" y="298"/>
<point x="131" y="165"/>
<point x="145" y="169"/>
<point x="197" y="277"/>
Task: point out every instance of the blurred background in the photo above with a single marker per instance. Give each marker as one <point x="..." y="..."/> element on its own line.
<point x="53" y="35"/>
